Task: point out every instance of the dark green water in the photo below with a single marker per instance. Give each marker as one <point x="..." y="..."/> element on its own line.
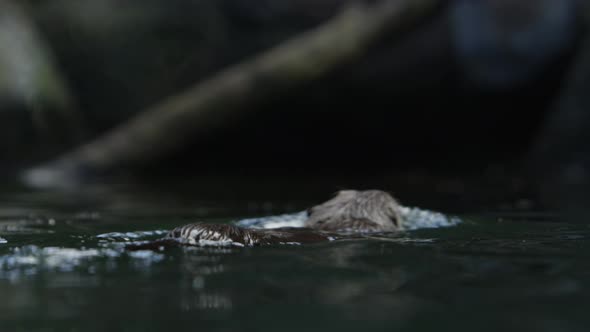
<point x="63" y="269"/>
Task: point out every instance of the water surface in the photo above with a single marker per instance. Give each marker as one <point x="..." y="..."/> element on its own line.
<point x="63" y="268"/>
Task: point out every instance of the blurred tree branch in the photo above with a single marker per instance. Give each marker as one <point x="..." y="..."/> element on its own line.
<point x="29" y="75"/>
<point x="209" y="103"/>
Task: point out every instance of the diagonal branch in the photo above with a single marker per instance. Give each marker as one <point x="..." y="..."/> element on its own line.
<point x="210" y="102"/>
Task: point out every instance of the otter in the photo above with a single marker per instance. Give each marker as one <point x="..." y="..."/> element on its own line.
<point x="349" y="212"/>
<point x="357" y="211"/>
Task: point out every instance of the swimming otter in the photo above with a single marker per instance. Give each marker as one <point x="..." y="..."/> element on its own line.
<point x="350" y="211"/>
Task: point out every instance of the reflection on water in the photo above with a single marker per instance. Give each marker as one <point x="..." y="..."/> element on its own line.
<point x="32" y="260"/>
<point x="63" y="267"/>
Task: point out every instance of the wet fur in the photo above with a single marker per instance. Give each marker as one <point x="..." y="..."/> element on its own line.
<point x="359" y="211"/>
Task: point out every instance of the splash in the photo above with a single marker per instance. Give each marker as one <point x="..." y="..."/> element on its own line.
<point x="415" y="218"/>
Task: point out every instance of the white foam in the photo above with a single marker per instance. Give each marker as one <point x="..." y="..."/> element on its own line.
<point x="415" y="218"/>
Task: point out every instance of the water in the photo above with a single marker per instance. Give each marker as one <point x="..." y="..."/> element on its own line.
<point x="62" y="268"/>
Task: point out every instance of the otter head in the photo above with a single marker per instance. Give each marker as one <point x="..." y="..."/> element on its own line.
<point x="361" y="211"/>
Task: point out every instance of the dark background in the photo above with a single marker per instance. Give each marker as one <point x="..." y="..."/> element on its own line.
<point x="413" y="110"/>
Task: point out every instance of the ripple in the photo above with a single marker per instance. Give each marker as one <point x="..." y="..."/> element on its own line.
<point x="414" y="218"/>
<point x="127" y="236"/>
<point x="27" y="225"/>
<point x="2" y="240"/>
